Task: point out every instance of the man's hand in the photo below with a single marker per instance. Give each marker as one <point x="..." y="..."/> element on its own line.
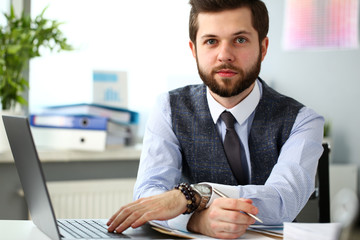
<point x="160" y="207"/>
<point x="224" y="219"/>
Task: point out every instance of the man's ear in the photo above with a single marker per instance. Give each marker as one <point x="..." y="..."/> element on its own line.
<point x="193" y="48"/>
<point x="264" y="46"/>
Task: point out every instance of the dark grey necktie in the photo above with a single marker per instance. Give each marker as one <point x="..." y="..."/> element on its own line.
<point x="233" y="150"/>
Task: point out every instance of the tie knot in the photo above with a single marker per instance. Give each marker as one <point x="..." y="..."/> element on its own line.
<point x="228" y="118"/>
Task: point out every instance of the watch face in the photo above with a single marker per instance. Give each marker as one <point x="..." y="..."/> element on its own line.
<point x="203" y="188"/>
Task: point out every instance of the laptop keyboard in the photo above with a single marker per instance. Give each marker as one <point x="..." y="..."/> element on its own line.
<point x="85" y="228"/>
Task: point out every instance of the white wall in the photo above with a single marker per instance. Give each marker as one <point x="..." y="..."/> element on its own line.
<point x="152" y="46"/>
<point x="327" y="81"/>
<point x="147" y="39"/>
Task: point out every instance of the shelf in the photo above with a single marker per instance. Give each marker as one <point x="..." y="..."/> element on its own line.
<point x="111" y="154"/>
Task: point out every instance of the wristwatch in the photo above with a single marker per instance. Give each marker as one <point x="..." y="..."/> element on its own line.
<point x="202" y="195"/>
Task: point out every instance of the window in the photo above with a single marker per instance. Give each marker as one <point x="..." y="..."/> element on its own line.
<point x="4" y="8"/>
<point x="147" y="39"/>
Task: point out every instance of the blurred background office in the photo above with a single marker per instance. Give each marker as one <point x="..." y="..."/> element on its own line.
<point x="149" y="41"/>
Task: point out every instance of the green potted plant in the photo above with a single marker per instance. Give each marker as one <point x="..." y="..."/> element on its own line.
<point x="21" y="39"/>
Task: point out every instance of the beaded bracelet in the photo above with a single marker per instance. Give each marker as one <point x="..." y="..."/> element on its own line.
<point x="189" y="195"/>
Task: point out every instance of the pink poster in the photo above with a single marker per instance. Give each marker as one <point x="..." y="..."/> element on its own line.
<point x="321" y="24"/>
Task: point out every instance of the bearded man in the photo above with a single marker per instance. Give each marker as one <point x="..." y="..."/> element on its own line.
<point x="232" y="136"/>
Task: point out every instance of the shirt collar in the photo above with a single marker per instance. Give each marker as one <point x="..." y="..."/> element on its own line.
<point x="241" y="111"/>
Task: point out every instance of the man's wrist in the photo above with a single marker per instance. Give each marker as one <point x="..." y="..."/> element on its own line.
<point x="193" y="223"/>
<point x="196" y="195"/>
<point x="189" y="194"/>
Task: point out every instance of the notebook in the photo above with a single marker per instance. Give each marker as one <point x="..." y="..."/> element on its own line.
<point x="36" y="193"/>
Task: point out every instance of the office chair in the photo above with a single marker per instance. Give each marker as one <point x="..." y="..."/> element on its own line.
<point x="322" y="191"/>
<point x="317" y="208"/>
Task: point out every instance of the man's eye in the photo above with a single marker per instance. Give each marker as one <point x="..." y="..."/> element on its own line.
<point x="240" y="40"/>
<point x="211" y="41"/>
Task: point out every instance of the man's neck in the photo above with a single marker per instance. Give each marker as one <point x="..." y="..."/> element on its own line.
<point x="230" y="102"/>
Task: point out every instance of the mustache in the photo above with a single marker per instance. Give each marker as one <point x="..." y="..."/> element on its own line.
<point x="226" y="66"/>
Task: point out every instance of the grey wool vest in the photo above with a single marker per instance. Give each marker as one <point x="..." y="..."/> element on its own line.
<point x="203" y="154"/>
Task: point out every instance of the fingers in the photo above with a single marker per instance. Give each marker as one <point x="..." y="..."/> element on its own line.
<point x="159" y="207"/>
<point x="125" y="216"/>
<point x="113" y="217"/>
<point x="119" y="222"/>
<point x="230" y="216"/>
<point x="244" y="205"/>
<point x="246" y="200"/>
<point x="126" y="220"/>
<point x="228" y="219"/>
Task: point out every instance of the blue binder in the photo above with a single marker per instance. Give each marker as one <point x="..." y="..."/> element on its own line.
<point x="120" y="115"/>
<point x="86" y="122"/>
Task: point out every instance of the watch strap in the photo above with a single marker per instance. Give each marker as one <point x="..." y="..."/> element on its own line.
<point x="203" y="202"/>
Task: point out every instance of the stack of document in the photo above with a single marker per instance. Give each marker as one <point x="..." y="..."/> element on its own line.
<point x="254" y="232"/>
<point x="84" y="127"/>
<point x="318" y="231"/>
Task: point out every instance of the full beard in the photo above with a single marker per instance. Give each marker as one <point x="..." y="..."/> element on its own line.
<point x="242" y="82"/>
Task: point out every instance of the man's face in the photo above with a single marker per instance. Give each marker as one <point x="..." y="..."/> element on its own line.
<point x="227" y="51"/>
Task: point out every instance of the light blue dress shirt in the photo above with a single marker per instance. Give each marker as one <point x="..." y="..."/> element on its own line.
<point x="285" y="192"/>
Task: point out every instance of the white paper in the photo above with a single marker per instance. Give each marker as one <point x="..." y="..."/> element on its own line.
<point x="183" y="234"/>
<point x="318" y="231"/>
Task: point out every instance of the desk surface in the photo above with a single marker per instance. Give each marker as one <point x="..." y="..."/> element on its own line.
<point x="26" y="230"/>
<point x="20" y="230"/>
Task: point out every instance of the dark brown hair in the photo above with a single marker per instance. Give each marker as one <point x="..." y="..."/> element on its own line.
<point x="260" y="17"/>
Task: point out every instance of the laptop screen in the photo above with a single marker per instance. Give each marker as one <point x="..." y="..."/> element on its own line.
<point x="31" y="174"/>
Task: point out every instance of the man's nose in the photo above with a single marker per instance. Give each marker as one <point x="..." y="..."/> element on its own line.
<point x="226" y="53"/>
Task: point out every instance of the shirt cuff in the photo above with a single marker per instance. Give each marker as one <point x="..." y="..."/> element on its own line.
<point x="229" y="191"/>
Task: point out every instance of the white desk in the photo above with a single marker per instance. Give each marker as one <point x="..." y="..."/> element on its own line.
<point x="20" y="230"/>
<point x="26" y="230"/>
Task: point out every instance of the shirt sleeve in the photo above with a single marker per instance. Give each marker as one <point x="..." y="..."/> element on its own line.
<point x="160" y="160"/>
<point x="292" y="179"/>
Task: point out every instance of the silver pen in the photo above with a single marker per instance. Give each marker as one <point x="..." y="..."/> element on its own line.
<point x="224" y="196"/>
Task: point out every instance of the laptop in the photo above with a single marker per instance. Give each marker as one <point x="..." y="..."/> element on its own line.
<point x="33" y="182"/>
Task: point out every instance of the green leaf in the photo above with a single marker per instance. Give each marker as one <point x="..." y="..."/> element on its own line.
<point x="20" y="40"/>
<point x="23" y="82"/>
<point x="12" y="12"/>
<point x="13" y="49"/>
<point x="43" y="11"/>
<point x="21" y="100"/>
